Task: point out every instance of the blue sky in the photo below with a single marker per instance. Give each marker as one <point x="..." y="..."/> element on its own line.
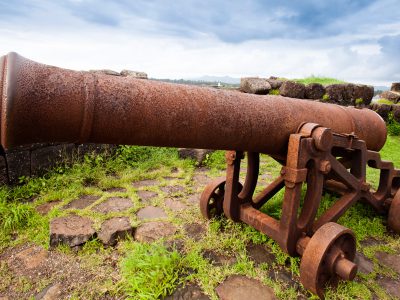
<point x="357" y="40"/>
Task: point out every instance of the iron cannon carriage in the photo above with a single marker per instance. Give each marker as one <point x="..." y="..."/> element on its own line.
<point x="321" y="147"/>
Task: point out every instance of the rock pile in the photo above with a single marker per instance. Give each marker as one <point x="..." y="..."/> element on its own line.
<point x="394" y="94"/>
<point x="343" y="94"/>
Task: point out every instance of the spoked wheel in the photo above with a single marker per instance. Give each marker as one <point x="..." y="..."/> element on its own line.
<point x="212" y="198"/>
<point x="328" y="257"/>
<point x="394" y="213"/>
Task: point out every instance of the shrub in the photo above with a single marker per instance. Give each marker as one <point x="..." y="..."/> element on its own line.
<point x="392" y="125"/>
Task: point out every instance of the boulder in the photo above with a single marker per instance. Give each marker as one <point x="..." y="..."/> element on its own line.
<point x="275" y="83"/>
<point x="114" y="229"/>
<point x="395" y="87"/>
<point x="362" y="91"/>
<point x="71" y="230"/>
<point x="382" y="110"/>
<point x="135" y="74"/>
<point x="106" y="72"/>
<point x="396" y="112"/>
<point x="292" y="89"/>
<point x="254" y="85"/>
<point x="391" y="96"/>
<point x="337" y="93"/>
<point x="314" y="91"/>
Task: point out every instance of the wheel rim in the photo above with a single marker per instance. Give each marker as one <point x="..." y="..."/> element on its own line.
<point x="394" y="213"/>
<point x="212" y="198"/>
<point x="330" y="242"/>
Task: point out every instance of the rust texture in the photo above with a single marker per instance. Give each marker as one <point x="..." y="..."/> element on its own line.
<point x="322" y="147"/>
<point x="42" y="103"/>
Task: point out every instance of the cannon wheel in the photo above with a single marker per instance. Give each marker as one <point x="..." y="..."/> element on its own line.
<point x="212" y="198"/>
<point x="329" y="252"/>
<point x="394" y="213"/>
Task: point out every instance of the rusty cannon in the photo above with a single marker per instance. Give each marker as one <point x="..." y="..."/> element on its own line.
<point x="321" y="147"/>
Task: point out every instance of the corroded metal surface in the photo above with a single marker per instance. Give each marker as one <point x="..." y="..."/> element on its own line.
<point x="320" y="160"/>
<point x="321" y="146"/>
<point x="42" y="103"/>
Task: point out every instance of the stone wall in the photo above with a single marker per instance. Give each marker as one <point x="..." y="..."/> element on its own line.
<point x="36" y="159"/>
<point x="342" y="94"/>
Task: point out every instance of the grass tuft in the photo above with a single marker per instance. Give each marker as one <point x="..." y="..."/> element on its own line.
<point x="320" y="80"/>
<point x="150" y="271"/>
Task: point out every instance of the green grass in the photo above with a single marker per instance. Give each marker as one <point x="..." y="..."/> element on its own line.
<point x="320" y="80"/>
<point x="274" y="92"/>
<point x="150" y="271"/>
<point x="384" y="101"/>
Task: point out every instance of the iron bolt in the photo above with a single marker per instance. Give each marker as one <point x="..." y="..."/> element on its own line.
<point x="325" y="166"/>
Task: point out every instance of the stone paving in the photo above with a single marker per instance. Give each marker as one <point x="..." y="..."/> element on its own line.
<point x="159" y="202"/>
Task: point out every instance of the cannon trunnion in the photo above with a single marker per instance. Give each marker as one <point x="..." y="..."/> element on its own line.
<point x="321" y="147"/>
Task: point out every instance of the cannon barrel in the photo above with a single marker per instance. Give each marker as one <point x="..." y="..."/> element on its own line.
<point x="41" y="103"/>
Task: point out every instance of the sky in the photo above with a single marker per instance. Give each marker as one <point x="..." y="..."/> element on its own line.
<point x="352" y="40"/>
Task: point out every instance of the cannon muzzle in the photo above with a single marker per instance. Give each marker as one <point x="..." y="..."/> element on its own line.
<point x="41" y="103"/>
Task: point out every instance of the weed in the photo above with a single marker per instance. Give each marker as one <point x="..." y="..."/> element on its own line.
<point x="359" y="101"/>
<point x="150" y="271"/>
<point x="325" y="98"/>
<point x="274" y="92"/>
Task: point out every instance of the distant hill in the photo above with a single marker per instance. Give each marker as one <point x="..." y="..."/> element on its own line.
<point x="381" y="88"/>
<point x="222" y="79"/>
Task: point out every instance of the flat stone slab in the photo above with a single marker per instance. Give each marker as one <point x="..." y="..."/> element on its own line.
<point x="32" y="257"/>
<point x="195" y="231"/>
<point x="188" y="292"/>
<point x="114" y="229"/>
<point x="147" y="182"/>
<point x="113" y="204"/>
<point x="45" y="208"/>
<point x="201" y="179"/>
<point x="390" y="260"/>
<point x="284" y="276"/>
<point x="71" y="230"/>
<point x="237" y="287"/>
<point x="391" y="286"/>
<point x="260" y="254"/>
<point x="194" y="199"/>
<point x="218" y="259"/>
<point x="152" y="231"/>
<point x="146" y="195"/>
<point x="51" y="292"/>
<point x="365" y="266"/>
<point x="115" y="190"/>
<point x="171" y="189"/>
<point x="151" y="212"/>
<point x="175" y="205"/>
<point x="82" y="202"/>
